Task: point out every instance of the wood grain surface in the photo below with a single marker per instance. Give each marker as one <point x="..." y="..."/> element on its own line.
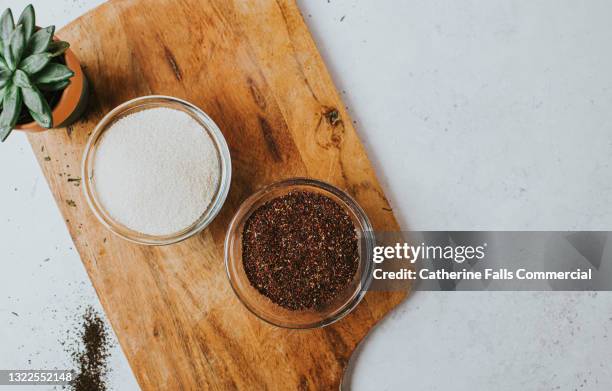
<point x="254" y="68"/>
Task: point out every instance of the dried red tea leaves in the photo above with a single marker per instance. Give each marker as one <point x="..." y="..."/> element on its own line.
<point x="300" y="250"/>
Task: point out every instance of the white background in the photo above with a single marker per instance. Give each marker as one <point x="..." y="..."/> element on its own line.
<point x="478" y="114"/>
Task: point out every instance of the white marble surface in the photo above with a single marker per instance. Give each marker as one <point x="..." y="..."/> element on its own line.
<point x="478" y="114"/>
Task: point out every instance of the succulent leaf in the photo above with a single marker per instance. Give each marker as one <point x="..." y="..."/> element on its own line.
<point x="5" y="76"/>
<point x="56" y="86"/>
<point x="35" y="62"/>
<point x="57" y="48"/>
<point x="53" y="72"/>
<point x="28" y="20"/>
<point x="17" y="44"/>
<point x="21" y="79"/>
<point x="11" y="107"/>
<point x="44" y="119"/>
<point x="6" y="25"/>
<point x="8" y="57"/>
<point x="37" y="106"/>
<point x="3" y="65"/>
<point x="4" y="70"/>
<point x="40" y="40"/>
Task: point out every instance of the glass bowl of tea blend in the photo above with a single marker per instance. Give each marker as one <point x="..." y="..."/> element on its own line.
<point x="298" y="253"/>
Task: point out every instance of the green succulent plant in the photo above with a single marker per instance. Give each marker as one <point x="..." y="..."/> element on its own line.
<point x="31" y="70"/>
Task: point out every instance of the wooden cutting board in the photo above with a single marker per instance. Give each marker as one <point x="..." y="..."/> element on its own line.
<point x="254" y="68"/>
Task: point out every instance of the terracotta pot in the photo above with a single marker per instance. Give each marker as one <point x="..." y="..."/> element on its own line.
<point x="72" y="102"/>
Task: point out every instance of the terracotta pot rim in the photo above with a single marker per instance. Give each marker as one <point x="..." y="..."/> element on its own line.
<point x="69" y="99"/>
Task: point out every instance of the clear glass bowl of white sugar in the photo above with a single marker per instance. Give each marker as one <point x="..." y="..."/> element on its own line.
<point x="156" y="170"/>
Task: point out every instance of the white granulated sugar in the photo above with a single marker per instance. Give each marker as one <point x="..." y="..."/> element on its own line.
<point x="156" y="171"/>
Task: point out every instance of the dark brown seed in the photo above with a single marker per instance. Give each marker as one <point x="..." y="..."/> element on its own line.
<point x="300" y="250"/>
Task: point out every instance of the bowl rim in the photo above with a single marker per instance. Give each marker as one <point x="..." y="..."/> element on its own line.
<point x="217" y="201"/>
<point x="367" y="232"/>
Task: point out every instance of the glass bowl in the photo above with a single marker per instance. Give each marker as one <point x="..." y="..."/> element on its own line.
<point x="273" y="313"/>
<point x="144" y="103"/>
